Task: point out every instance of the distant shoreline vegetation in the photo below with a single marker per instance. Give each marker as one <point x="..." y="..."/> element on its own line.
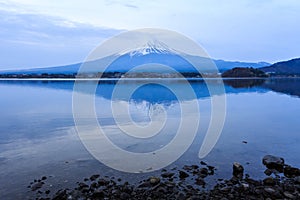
<point x="114" y="75"/>
<point x="249" y="72"/>
<point x="238" y="72"/>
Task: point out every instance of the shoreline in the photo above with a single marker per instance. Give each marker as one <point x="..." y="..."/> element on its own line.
<point x="144" y="79"/>
<point x="282" y="181"/>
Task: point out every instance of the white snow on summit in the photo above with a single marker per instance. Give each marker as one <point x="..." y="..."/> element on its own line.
<point x="151" y="47"/>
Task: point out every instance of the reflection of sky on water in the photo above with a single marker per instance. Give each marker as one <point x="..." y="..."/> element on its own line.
<point x="37" y="134"/>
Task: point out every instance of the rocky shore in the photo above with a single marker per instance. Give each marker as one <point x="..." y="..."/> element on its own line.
<point x="282" y="182"/>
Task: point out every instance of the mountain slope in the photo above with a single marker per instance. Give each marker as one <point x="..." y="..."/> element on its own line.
<point x="284" y="68"/>
<point x="225" y="65"/>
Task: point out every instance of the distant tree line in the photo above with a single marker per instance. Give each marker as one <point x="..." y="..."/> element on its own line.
<point x="106" y="75"/>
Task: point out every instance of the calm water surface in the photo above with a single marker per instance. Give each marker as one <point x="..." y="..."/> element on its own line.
<point x="38" y="137"/>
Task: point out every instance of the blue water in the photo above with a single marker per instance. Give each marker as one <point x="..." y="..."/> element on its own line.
<point x="38" y="135"/>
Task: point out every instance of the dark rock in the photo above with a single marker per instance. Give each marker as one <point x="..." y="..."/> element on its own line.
<point x="258" y="191"/>
<point x="112" y="182"/>
<point x="211" y="170"/>
<point x="291" y="172"/>
<point x="200" y="181"/>
<point x="36" y="186"/>
<point x="210" y="167"/>
<point x="124" y="196"/>
<point x="81" y="186"/>
<point x="103" y="182"/>
<point x="44" y="178"/>
<point x="268" y="172"/>
<point x="161" y="189"/>
<point x="154" y="180"/>
<point x="47" y="192"/>
<point x="289" y="195"/>
<point x="167" y="175"/>
<point x="238" y="170"/>
<point x="272" y="193"/>
<point x="85" y="190"/>
<point x="203" y="163"/>
<point x="94" y="185"/>
<point x="94" y="177"/>
<point x="98" y="195"/>
<point x="245" y="185"/>
<point x="144" y="185"/>
<point x="187" y="167"/>
<point x="190" y="167"/>
<point x="253" y="182"/>
<point x="195" y="166"/>
<point x="269" y="190"/>
<point x="203" y="172"/>
<point x="115" y="192"/>
<point x="269" y="181"/>
<point x="61" y="194"/>
<point x="245" y="142"/>
<point x="180" y="196"/>
<point x="183" y="175"/>
<point x="273" y="162"/>
<point x="236" y="179"/>
<point x="128" y="189"/>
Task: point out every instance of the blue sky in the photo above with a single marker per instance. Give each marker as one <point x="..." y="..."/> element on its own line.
<point x="35" y="33"/>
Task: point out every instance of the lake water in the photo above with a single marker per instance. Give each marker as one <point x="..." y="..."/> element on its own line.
<point x="38" y="135"/>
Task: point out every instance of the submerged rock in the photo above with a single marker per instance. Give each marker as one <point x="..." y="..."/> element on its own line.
<point x="37" y="186"/>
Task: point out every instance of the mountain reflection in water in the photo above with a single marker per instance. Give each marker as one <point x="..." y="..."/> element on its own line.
<point x="156" y="93"/>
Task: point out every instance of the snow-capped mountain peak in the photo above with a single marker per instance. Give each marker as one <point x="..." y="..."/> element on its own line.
<point x="151" y="47"/>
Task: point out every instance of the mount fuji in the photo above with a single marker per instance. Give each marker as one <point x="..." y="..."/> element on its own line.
<point x="151" y="47"/>
<point x="151" y="52"/>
